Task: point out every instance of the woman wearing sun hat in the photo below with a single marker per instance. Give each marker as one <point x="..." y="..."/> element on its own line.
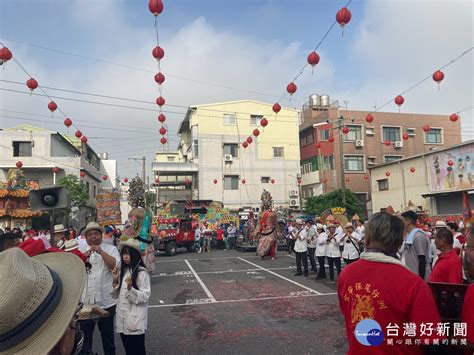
<point x="39" y="302"/>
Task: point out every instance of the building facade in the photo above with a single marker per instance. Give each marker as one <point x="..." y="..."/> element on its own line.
<point x="212" y="164"/>
<point x="433" y="181"/>
<point x="366" y="144"/>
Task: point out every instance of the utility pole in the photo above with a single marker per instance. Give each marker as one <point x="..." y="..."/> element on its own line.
<point x="340" y="123"/>
<point x="143" y="159"/>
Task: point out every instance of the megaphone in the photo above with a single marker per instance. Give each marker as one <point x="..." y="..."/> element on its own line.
<point x="49" y="198"/>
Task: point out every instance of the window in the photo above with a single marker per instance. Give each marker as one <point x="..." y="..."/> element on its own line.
<point x="310" y="138"/>
<point x="231" y="182"/>
<point x="355" y="133"/>
<point x="324" y="134"/>
<point x="196" y="148"/>
<point x="255" y="119"/>
<point x="434" y="136"/>
<point x="383" y="184"/>
<point x="411" y="132"/>
<point x="22" y="149"/>
<point x="369" y="131"/>
<point x="328" y="162"/>
<point x="170" y="158"/>
<point x="391" y="134"/>
<point x="95" y="190"/>
<point x="278" y="152"/>
<point x="353" y="162"/>
<point x="232" y="149"/>
<point x="307" y="168"/>
<point x="390" y="158"/>
<point x="88" y="187"/>
<point x="229" y="119"/>
<point x="265" y="180"/>
<point x="302" y="141"/>
<point x="371" y="160"/>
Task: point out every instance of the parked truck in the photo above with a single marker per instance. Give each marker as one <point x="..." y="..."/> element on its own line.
<point x="173" y="233"/>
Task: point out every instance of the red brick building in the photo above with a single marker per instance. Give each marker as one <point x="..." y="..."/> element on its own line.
<point x="364" y="146"/>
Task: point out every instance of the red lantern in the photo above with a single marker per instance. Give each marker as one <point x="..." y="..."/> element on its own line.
<point x="55" y="170"/>
<point x="331" y="138"/>
<point x="388" y="143"/>
<point x="345" y="130"/>
<point x="387" y="174"/>
<point x="84" y="139"/>
<point x="343" y="17"/>
<point x="369" y="118"/>
<point x="162" y="130"/>
<point x="405" y="136"/>
<point x="160" y="78"/>
<point x="125" y="180"/>
<point x="264" y="122"/>
<point x="68" y="122"/>
<point x="52" y="106"/>
<point x="163" y="140"/>
<point x="347" y="179"/>
<point x="5" y="55"/>
<point x="318" y="145"/>
<point x="78" y="134"/>
<point x="438" y="76"/>
<point x="249" y="140"/>
<point x="256" y="132"/>
<point x="32" y="84"/>
<point x="450" y="163"/>
<point x="83" y="174"/>
<point x="399" y="100"/>
<point x="158" y="53"/>
<point x="313" y="59"/>
<point x="412" y="169"/>
<point x="298" y="181"/>
<point x="291" y="88"/>
<point x="276" y="107"/>
<point x="161" y="118"/>
<point x="157" y="181"/>
<point x="105" y="177"/>
<point x="243" y="181"/>
<point x="324" y="180"/>
<point x="215" y="181"/>
<point x="366" y="177"/>
<point x="454" y="117"/>
<point x="272" y="181"/>
<point x="156" y="7"/>
<point x="426" y="128"/>
<point x="160" y="101"/>
<point x="245" y="144"/>
<point x="19" y="164"/>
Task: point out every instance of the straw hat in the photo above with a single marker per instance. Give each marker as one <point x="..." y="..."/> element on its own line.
<point x="349" y="225"/>
<point x="440" y="224"/>
<point x="59" y="228"/>
<point x="92" y="226"/>
<point x="319" y="226"/>
<point x="30" y="285"/>
<point x="70" y="245"/>
<point x="299" y="221"/>
<point x="132" y="243"/>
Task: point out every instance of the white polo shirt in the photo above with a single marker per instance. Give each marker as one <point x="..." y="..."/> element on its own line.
<point x="332" y="250"/>
<point x="321" y="244"/>
<point x="300" y="245"/>
<point x="350" y="252"/>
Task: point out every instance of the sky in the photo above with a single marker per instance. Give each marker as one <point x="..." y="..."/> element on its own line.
<point x="226" y="50"/>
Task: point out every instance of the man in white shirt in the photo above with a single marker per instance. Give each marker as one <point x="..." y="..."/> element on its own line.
<point x="333" y="252"/>
<point x="103" y="258"/>
<point x="197" y="239"/>
<point x="291" y="238"/>
<point x="351" y="240"/>
<point x="301" y="248"/>
<point x="231" y="233"/>
<point x="321" y="247"/>
<point x="311" y="240"/>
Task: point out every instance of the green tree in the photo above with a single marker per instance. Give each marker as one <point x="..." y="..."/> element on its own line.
<point x="318" y="204"/>
<point x="77" y="190"/>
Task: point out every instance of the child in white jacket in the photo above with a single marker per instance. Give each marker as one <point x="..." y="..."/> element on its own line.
<point x="132" y="287"/>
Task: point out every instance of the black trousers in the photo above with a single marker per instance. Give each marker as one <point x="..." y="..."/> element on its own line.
<point x="311" y="252"/>
<point x="291" y="245"/>
<point x="337" y="263"/>
<point x="220" y="245"/>
<point x="322" y="269"/>
<point x="302" y="257"/>
<point x="106" y="328"/>
<point x="133" y="344"/>
<point x="348" y="261"/>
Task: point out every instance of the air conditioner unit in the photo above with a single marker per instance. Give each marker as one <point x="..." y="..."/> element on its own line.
<point x="294" y="202"/>
<point x="294" y="193"/>
<point x="228" y="157"/>
<point x="359" y="143"/>
<point x="398" y="144"/>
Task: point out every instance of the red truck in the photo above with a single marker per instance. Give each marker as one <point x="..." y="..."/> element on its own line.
<point x="173" y="233"/>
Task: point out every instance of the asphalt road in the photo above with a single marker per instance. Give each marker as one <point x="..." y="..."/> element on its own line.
<point x="234" y="303"/>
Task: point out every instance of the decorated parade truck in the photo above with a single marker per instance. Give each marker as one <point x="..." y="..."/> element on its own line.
<point x="169" y="234"/>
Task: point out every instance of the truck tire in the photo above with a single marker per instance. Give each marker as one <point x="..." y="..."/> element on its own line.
<point x="171" y="248"/>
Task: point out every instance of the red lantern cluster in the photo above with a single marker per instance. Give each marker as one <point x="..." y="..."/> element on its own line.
<point x="256" y="132"/>
<point x="245" y="144"/>
<point x="5" y="55"/>
<point x="162" y="130"/>
<point x="249" y="140"/>
<point x="163" y="140"/>
<point x="161" y="118"/>
<point x="160" y="78"/>
<point x="264" y="122"/>
<point x="160" y="101"/>
<point x="158" y="53"/>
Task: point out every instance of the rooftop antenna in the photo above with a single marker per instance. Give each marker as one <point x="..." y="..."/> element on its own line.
<point x="345" y="103"/>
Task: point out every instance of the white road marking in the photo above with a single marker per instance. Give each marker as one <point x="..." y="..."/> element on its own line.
<point x="204" y="287"/>
<point x="202" y="302"/>
<point x="282" y="277"/>
<point x="205" y="259"/>
<point x="161" y="302"/>
<point x="179" y="273"/>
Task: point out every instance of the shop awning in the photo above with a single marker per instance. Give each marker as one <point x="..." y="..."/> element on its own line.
<point x="444" y="193"/>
